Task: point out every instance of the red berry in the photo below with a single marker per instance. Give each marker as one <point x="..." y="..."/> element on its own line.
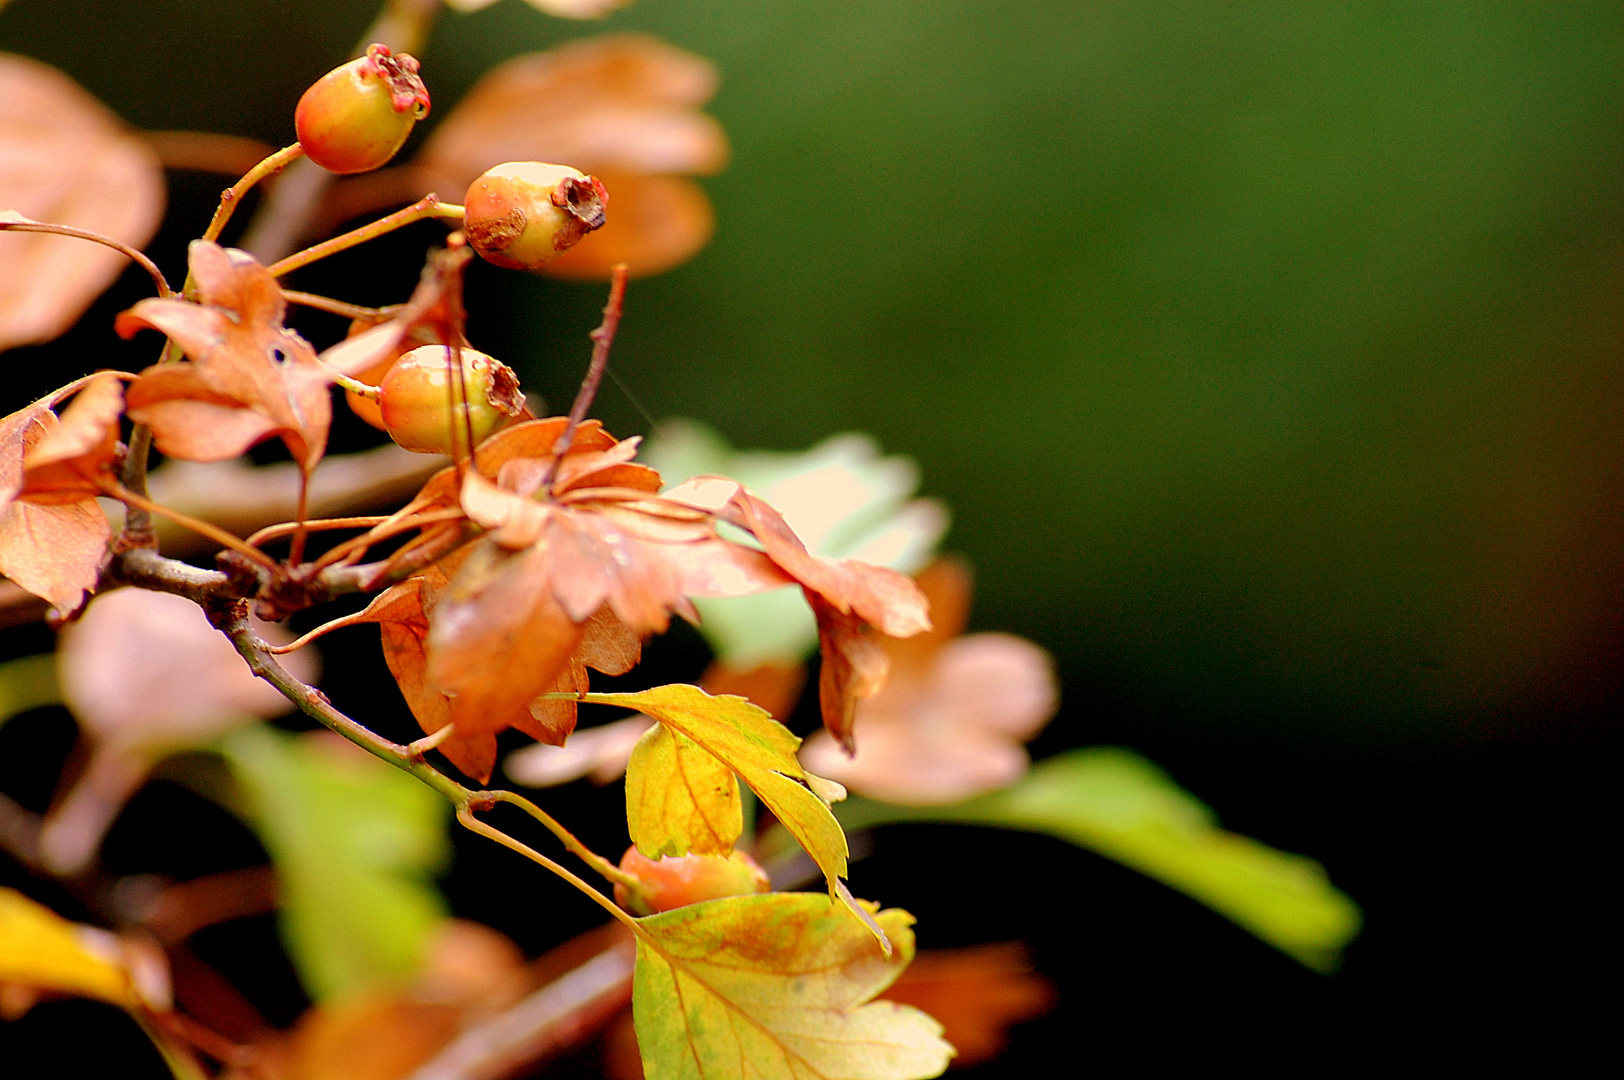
<point x="521" y="214"/>
<point x="354" y="118"/>
<point x="679" y="880"/>
<point x="414" y="399"/>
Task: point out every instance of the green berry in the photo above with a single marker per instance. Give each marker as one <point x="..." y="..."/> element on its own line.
<point x="679" y="880"/>
<point x="415" y="399"/>
<point x="355" y="118"/>
<point x="521" y="214"/>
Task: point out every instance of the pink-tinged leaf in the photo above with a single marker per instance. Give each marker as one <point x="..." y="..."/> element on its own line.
<point x="54" y="550"/>
<point x="65" y="159"/>
<point x="953" y="718"/>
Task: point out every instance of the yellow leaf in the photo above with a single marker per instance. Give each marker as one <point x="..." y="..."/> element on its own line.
<point x="762" y="752"/>
<point x="680" y="798"/>
<point x="777" y="986"/>
<point x="39" y="948"/>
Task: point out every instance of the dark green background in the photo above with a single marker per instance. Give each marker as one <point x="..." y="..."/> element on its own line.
<point x="1269" y="356"/>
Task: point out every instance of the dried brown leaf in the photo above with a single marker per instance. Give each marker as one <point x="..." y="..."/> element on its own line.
<point x="953" y="719"/>
<point x="249" y="378"/>
<point x="65" y="159"/>
<point x="70" y="462"/>
<point x="55" y="549"/>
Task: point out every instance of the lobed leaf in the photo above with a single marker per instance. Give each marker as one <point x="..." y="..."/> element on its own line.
<point x="680" y="798"/>
<point x="746" y="739"/>
<point x="776" y="985"/>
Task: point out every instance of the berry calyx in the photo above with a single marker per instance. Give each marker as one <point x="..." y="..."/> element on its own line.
<point x="675" y="881"/>
<point x="415" y="399"/>
<point x="523" y="213"/>
<point x="355" y="118"/>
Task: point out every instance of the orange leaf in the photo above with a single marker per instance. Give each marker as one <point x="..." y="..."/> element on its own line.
<point x="69" y="161"/>
<point x="54" y="549"/>
<point x="68" y="464"/>
<point x="243" y="362"/>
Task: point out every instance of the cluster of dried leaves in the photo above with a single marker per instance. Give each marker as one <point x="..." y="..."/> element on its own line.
<point x="545" y="552"/>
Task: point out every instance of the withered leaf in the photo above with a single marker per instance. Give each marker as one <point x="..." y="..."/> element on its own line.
<point x="65" y="159"/>
<point x="54" y="549"/>
<point x="953" y="718"/>
<point x="249" y="376"/>
<point x="847" y="596"/>
<point x="69" y="462"/>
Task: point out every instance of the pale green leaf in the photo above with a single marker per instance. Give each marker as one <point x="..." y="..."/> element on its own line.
<point x="1127" y="809"/>
<point x="355" y="844"/>
<point x="841" y="497"/>
<point x="777" y="986"/>
<point x="762" y="752"/>
<point x="680" y="798"/>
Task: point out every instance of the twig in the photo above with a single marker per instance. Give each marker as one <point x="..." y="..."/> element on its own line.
<point x="340" y="307"/>
<point x="213" y="532"/>
<point x="96" y="238"/>
<point x="427" y="207"/>
<point x="231" y="196"/>
<point x="602" y="338"/>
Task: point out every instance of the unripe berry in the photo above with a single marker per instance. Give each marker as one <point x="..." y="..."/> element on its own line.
<point x="414" y="399"/>
<point x="679" y="880"/>
<point x="354" y="118"/>
<point x="521" y="214"/>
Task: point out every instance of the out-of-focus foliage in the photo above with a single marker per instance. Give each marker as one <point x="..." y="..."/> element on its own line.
<point x="842" y="499"/>
<point x="41" y="950"/>
<point x="355" y="843"/>
<point x="1117" y="803"/>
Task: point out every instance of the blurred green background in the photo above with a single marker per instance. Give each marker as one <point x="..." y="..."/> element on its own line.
<point x="1268" y="354"/>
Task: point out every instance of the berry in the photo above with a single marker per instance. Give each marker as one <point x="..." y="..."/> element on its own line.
<point x="521" y="214"/>
<point x="354" y="118"/>
<point x="414" y="399"/>
<point x="679" y="880"/>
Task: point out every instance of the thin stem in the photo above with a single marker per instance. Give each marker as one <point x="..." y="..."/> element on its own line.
<point x="297" y="546"/>
<point x="272" y="532"/>
<point x="231" y="196"/>
<point x="466" y="817"/>
<point x="213" y="532"/>
<point x="96" y="238"/>
<point x="602" y="338"/>
<point x="340" y="307"/>
<point x="579" y="850"/>
<point x="313" y="703"/>
<point x="360" y="543"/>
<point x="427" y="207"/>
<point x="355" y="386"/>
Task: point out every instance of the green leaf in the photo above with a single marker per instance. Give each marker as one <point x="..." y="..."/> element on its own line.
<point x="355" y="843"/>
<point x="842" y="499"/>
<point x="746" y="739"/>
<point x="1127" y="809"/>
<point x="776" y="986"/>
<point x="680" y="798"/>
